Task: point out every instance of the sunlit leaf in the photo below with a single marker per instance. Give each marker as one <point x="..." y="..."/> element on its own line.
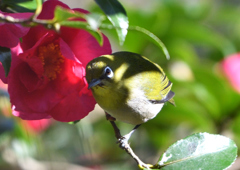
<point x="61" y="14"/>
<point x="94" y="20"/>
<point x="117" y="15"/>
<point x="199" y="151"/>
<point x="5" y="59"/>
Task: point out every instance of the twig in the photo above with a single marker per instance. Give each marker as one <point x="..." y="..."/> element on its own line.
<point x="31" y="21"/>
<point x="128" y="149"/>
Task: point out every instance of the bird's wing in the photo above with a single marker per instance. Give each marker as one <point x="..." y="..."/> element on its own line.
<point x="165" y="92"/>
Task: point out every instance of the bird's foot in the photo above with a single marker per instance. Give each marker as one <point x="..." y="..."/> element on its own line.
<point x="142" y="165"/>
<point x="123" y="142"/>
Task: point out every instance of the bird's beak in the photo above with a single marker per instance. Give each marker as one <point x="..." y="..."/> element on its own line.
<point x="94" y="82"/>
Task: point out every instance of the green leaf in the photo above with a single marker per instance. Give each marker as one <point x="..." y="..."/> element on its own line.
<point x="5" y="59"/>
<point x="62" y="14"/>
<point x="94" y="20"/>
<point x="30" y="4"/>
<point x="74" y="122"/>
<point x="117" y="16"/>
<point x="153" y="37"/>
<point x="199" y="151"/>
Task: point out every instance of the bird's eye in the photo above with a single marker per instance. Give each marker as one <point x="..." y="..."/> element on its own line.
<point x="108" y="72"/>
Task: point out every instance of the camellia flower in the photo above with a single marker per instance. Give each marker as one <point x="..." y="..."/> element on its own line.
<point x="231" y="68"/>
<point x="46" y="77"/>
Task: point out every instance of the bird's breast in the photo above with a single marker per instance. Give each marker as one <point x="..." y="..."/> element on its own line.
<point x="136" y="109"/>
<point x="129" y="105"/>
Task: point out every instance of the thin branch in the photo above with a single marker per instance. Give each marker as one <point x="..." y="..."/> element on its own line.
<point x="128" y="149"/>
<point x="31" y="21"/>
<point x="9" y="19"/>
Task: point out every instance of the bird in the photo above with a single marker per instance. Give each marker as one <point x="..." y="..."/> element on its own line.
<point x="128" y="87"/>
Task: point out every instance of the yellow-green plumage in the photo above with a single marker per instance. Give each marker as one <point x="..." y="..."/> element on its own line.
<point x="136" y="91"/>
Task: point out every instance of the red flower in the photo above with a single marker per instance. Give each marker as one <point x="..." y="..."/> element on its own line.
<point x="46" y="77"/>
<point x="231" y="68"/>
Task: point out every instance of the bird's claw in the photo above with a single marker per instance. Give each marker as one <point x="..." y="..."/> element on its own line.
<point x="123" y="142"/>
<point x="142" y="165"/>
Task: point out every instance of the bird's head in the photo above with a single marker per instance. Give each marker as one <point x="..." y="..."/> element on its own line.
<point x="100" y="71"/>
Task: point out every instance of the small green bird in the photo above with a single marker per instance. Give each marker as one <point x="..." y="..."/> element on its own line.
<point x="129" y="87"/>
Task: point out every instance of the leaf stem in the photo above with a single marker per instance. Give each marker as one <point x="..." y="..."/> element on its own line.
<point x="25" y="22"/>
<point x="154" y="37"/>
<point x="144" y="31"/>
<point x="38" y="9"/>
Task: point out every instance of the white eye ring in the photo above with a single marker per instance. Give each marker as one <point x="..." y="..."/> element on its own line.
<point x="108" y="72"/>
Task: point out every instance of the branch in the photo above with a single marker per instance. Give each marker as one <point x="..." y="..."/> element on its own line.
<point x="32" y="21"/>
<point x="128" y="149"/>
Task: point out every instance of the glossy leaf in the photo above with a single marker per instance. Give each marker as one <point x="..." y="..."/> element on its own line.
<point x="94" y="20"/>
<point x="200" y="151"/>
<point x="117" y="16"/>
<point x="5" y="59"/>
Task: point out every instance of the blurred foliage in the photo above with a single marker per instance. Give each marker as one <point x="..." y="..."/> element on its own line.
<point x="199" y="35"/>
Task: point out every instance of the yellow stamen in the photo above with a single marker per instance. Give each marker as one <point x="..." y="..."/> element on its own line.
<point x="52" y="59"/>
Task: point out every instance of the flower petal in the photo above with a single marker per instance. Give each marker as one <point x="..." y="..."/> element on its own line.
<point x="81" y="39"/>
<point x="73" y="107"/>
<point x="10" y="33"/>
<point x="30" y="116"/>
<point x="48" y="9"/>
